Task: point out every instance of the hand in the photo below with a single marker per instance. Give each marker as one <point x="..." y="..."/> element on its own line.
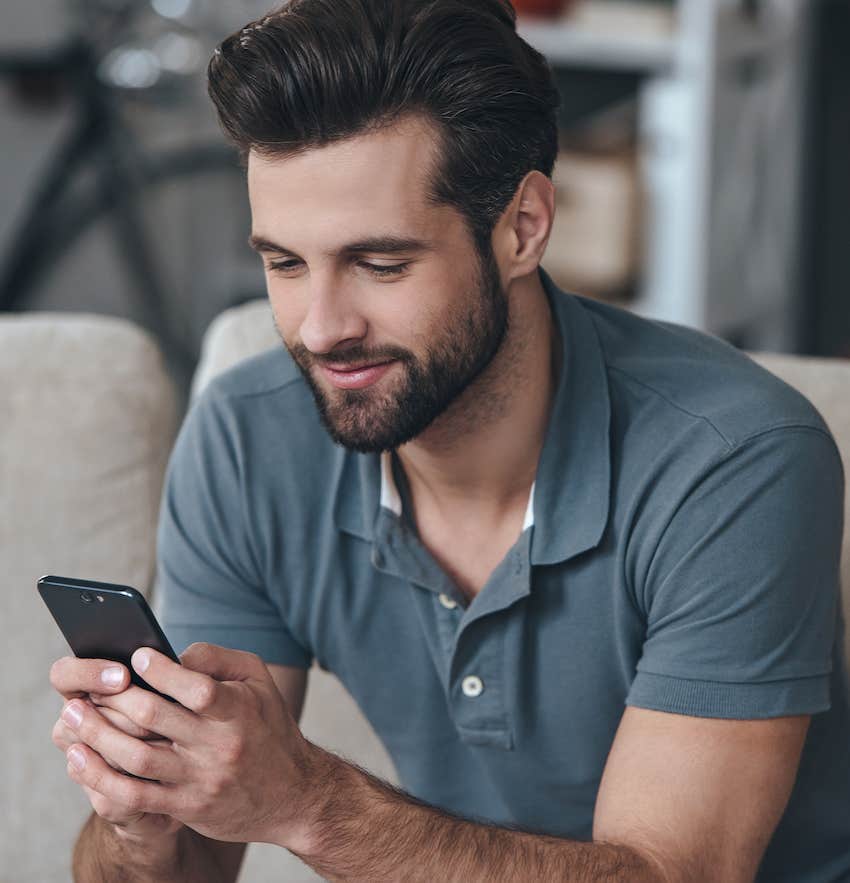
<point x="236" y="767"/>
<point x="83" y="680"/>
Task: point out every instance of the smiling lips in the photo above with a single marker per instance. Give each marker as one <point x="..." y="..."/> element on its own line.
<point x="346" y="377"/>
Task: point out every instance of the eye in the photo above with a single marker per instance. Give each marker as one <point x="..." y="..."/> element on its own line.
<point x="385" y="270"/>
<point x="283" y="266"/>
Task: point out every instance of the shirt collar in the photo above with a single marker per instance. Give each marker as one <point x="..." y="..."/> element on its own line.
<point x="569" y="501"/>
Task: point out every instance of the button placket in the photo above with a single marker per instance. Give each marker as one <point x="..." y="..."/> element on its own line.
<point x="477" y="687"/>
<point x="448" y="616"/>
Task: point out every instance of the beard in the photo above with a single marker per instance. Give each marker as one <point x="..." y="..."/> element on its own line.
<point x="465" y="343"/>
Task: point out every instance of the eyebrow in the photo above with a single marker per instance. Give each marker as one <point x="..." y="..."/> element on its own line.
<point x="372" y="244"/>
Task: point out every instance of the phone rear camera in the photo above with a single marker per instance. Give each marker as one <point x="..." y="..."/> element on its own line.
<point x="86" y="598"/>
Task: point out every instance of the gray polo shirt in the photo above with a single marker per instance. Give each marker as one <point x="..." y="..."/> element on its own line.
<point x="680" y="553"/>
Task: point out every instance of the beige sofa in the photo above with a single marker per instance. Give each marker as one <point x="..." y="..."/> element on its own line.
<point x="88" y="419"/>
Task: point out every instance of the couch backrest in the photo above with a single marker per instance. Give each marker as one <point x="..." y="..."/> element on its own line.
<point x="88" y="417"/>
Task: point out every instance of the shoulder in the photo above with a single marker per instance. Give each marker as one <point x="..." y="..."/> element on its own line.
<point x="686" y="375"/>
<point x="259" y="412"/>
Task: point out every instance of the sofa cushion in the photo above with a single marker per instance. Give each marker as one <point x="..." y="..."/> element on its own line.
<point x="88" y="418"/>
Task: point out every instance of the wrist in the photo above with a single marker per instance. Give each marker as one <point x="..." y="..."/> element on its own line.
<point x="328" y="786"/>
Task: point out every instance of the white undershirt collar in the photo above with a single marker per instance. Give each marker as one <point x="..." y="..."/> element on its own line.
<point x="391" y="499"/>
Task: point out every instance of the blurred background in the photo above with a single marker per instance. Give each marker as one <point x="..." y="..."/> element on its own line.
<point x="703" y="176"/>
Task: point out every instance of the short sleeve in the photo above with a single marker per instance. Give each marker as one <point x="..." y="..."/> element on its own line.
<point x="208" y="580"/>
<point x="742" y="592"/>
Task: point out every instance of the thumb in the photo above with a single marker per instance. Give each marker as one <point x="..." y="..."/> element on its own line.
<point x="222" y="663"/>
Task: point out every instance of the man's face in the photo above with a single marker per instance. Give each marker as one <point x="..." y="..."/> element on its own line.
<point x="380" y="297"/>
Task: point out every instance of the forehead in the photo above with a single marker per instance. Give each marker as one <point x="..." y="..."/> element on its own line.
<point x="370" y="181"/>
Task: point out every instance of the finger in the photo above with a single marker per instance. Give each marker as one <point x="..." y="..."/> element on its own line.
<point x="108" y="810"/>
<point x="73" y="677"/>
<point x="199" y="691"/>
<point x="151" y="714"/>
<point x="128" y="796"/>
<point x="119" y="720"/>
<point x="149" y="760"/>
<point x="64" y="737"/>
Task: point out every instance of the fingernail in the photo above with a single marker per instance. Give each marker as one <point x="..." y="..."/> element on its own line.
<point x="72" y="715"/>
<point x="112" y="676"/>
<point x="76" y="758"/>
<point x="141" y="660"/>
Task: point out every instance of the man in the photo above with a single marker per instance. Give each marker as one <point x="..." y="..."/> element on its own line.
<point x="579" y="569"/>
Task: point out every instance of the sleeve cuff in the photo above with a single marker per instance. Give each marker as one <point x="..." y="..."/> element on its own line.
<point x="273" y="647"/>
<point x="734" y="701"/>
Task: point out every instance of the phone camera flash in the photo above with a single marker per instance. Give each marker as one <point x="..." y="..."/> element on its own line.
<point x="99" y="598"/>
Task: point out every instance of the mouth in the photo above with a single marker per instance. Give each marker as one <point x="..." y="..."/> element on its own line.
<point x="356" y="376"/>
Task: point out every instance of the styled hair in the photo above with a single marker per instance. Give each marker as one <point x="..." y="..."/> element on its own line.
<point x="318" y="71"/>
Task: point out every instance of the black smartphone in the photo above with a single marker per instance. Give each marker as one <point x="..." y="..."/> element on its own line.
<point x="104" y="621"/>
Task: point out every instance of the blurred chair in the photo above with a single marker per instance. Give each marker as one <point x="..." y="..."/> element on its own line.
<point x="89" y="418"/>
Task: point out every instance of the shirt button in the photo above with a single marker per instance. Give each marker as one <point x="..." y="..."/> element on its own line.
<point x="472" y="686"/>
<point x="447" y="602"/>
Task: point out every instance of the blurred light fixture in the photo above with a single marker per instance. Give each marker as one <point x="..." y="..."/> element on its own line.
<point x="130" y="67"/>
<point x="178" y="53"/>
<point x="171" y="8"/>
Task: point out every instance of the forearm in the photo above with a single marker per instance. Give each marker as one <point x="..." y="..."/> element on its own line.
<point x="369" y="831"/>
<point x="103" y="855"/>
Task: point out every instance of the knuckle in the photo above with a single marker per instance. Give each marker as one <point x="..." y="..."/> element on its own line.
<point x="200" y="650"/>
<point x="88" y="730"/>
<point x="140" y="761"/>
<point x="99" y="803"/>
<point x="91" y="777"/>
<point x="146" y="713"/>
<point x="103" y="806"/>
<point x="232" y="750"/>
<point x="131" y="799"/>
<point x="204" y="695"/>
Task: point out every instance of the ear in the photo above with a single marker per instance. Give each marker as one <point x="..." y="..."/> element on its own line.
<point x="522" y="233"/>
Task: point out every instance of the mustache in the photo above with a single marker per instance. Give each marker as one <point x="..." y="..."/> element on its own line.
<point x="356" y="355"/>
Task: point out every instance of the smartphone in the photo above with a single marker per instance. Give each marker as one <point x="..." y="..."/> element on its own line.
<point x="104" y="621"/>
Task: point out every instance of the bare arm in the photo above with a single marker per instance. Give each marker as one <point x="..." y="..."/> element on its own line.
<point x="682" y="800"/>
<point x="180" y="855"/>
<point x="372" y="832"/>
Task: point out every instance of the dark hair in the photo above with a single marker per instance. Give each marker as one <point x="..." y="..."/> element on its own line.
<point x="317" y="71"/>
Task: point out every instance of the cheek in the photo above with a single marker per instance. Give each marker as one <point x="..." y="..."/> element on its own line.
<point x="287" y="309"/>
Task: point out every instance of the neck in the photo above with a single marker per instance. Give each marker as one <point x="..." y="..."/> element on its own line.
<point x="480" y="456"/>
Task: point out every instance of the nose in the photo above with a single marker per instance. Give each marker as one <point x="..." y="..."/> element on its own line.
<point x="332" y="317"/>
